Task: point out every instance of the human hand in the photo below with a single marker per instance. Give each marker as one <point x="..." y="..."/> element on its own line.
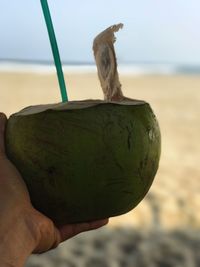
<point x="23" y="229"/>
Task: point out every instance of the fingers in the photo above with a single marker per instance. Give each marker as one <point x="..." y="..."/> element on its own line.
<point x="3" y="120"/>
<point x="51" y="237"/>
<point x="71" y="230"/>
<point x="48" y="236"/>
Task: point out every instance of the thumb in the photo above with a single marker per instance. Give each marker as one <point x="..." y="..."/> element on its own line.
<point x="3" y="121"/>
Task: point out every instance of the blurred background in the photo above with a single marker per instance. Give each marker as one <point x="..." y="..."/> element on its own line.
<point x="158" y="55"/>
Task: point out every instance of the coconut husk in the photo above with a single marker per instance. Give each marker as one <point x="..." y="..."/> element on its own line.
<point x="106" y="62"/>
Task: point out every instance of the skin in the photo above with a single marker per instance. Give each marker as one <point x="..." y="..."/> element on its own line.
<point x="24" y="230"/>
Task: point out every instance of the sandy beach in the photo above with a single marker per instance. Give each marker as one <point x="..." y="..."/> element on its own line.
<point x="163" y="230"/>
<point x="174" y="199"/>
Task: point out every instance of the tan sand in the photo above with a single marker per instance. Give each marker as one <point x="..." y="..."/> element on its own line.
<point x="174" y="199"/>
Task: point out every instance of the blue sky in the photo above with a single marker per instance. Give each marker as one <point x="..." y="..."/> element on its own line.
<point x="155" y="31"/>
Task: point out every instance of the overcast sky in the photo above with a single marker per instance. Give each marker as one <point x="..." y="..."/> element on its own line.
<point x="155" y="30"/>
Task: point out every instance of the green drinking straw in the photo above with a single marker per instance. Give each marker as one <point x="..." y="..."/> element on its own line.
<point x="54" y="47"/>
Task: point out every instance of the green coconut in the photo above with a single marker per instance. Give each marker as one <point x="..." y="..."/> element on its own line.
<point x="86" y="160"/>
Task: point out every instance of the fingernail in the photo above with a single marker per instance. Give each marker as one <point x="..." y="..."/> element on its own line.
<point x="106" y="221"/>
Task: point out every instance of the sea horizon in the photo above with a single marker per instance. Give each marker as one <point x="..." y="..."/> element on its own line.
<point x="126" y="68"/>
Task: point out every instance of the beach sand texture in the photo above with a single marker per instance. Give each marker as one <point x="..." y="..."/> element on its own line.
<point x="174" y="199"/>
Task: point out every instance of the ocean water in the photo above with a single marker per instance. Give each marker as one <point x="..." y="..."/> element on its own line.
<point x="88" y="67"/>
